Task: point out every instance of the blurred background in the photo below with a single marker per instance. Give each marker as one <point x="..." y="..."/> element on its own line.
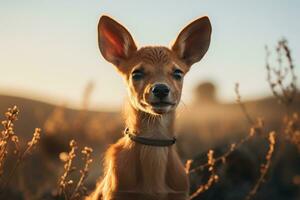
<point x="52" y="70"/>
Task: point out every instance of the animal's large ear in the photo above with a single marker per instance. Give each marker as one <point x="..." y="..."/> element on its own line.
<point x="193" y="41"/>
<point x="115" y="42"/>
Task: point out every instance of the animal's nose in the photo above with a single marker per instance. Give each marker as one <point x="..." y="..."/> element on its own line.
<point x="160" y="90"/>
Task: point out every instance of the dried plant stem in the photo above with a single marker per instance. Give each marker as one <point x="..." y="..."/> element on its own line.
<point x="7" y="134"/>
<point x="242" y="105"/>
<point x="213" y="178"/>
<point x="256" y="128"/>
<point x="188" y="165"/>
<point x="21" y="155"/>
<point x="284" y="92"/>
<point x="265" y="167"/>
<point x="68" y="168"/>
<point x="283" y="81"/>
<point x="80" y="190"/>
<point x="224" y="157"/>
<point x="291" y="129"/>
<point x="66" y="186"/>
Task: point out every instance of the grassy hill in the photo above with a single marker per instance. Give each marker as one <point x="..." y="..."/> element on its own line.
<point x="200" y="126"/>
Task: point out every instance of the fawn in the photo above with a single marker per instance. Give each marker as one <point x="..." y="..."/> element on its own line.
<point x="144" y="163"/>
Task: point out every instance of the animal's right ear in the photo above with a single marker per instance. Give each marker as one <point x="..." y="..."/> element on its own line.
<point x="115" y="42"/>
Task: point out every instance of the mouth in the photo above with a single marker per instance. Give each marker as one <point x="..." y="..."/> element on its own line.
<point x="162" y="104"/>
<point x="161" y="107"/>
<point x="158" y="107"/>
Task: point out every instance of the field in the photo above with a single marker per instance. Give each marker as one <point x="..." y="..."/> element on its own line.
<point x="239" y="150"/>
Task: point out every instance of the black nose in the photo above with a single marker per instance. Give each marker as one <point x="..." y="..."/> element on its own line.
<point x="160" y="90"/>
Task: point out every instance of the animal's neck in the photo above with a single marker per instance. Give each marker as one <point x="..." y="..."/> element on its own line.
<point x="153" y="160"/>
<point x="148" y="125"/>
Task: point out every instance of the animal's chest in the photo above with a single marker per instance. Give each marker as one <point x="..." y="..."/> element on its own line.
<point x="152" y="170"/>
<point x="154" y="164"/>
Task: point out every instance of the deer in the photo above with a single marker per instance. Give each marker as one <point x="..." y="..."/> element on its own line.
<point x="144" y="164"/>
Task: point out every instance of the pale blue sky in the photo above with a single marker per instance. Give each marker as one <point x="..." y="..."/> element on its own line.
<point x="48" y="49"/>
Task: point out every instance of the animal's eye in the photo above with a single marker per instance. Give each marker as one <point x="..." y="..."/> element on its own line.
<point x="137" y="75"/>
<point x="177" y="74"/>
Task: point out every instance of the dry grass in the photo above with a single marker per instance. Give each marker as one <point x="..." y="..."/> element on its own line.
<point x="64" y="183"/>
<point x="68" y="188"/>
<point x="10" y="146"/>
<point x="282" y="78"/>
<point x="213" y="178"/>
<point x="71" y="184"/>
<point x="8" y="136"/>
<point x="256" y="129"/>
<point x="265" y="167"/>
<point x="291" y="129"/>
<point x="284" y="89"/>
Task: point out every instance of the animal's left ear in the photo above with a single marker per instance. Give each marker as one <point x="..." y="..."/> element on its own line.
<point x="193" y="41"/>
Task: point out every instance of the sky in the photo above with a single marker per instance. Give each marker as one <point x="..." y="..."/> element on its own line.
<point x="49" y="50"/>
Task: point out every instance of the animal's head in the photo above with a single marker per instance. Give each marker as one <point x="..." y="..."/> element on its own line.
<point x="154" y="74"/>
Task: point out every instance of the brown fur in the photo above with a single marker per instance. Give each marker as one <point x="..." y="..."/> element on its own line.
<point x="135" y="171"/>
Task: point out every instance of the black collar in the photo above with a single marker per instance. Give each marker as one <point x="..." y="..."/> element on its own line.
<point x="148" y="141"/>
